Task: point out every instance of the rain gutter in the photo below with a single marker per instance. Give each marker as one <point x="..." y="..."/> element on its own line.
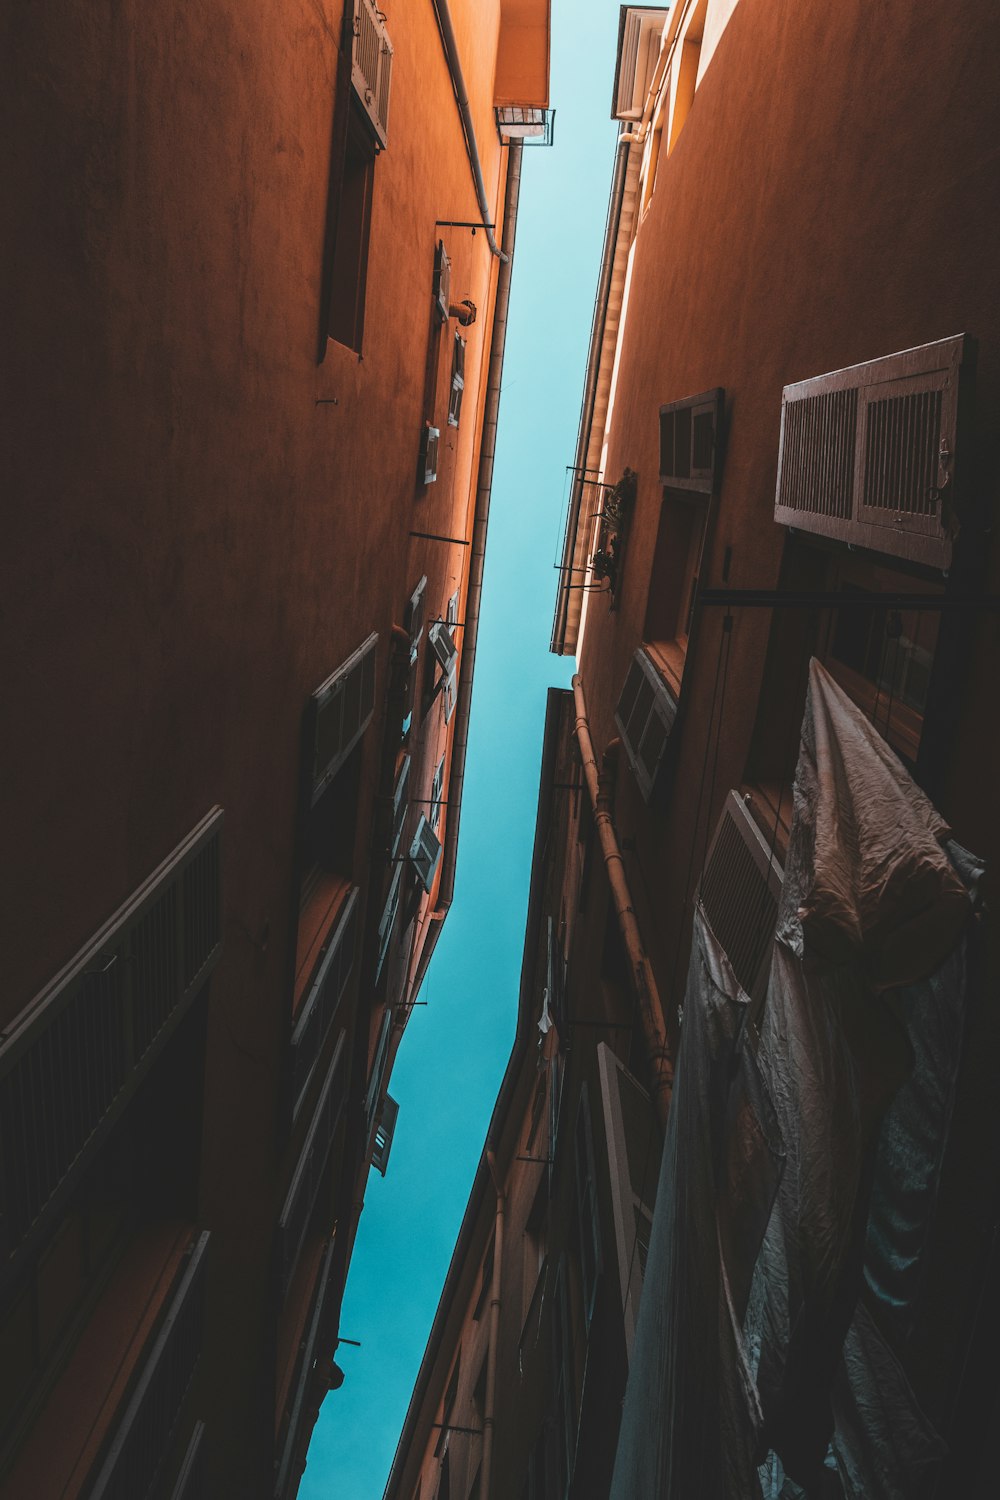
<point x="462" y="99"/>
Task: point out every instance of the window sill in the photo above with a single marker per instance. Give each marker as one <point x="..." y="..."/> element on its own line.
<point x="668" y="657"/>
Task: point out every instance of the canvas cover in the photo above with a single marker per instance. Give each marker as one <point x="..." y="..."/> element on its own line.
<point x="799" y="1172"/>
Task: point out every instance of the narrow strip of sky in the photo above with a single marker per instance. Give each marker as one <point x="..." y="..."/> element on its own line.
<point x="455" y="1048"/>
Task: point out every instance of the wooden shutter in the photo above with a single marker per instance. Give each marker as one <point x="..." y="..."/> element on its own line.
<point x="645" y="717"/>
<point x="634" y="1144"/>
<point x="442" y="643"/>
<point x="740" y="892"/>
<point x="377" y="1075"/>
<point x="427" y="468"/>
<point x="437" y="789"/>
<point x="442" y="282"/>
<point x="425" y="851"/>
<point x="867" y="454"/>
<point x="149" y="1419"/>
<point x="413" y="615"/>
<point x="388" y="920"/>
<point x="328" y="983"/>
<point x="400" y="805"/>
<point x="588" y="1220"/>
<point x="371" y="66"/>
<point x="689" y="442"/>
<point x="339" y="712"/>
<point x="384" y="1132"/>
<point x="77" y="1053"/>
<point x="457" y="381"/>
<point x="296" y="1212"/>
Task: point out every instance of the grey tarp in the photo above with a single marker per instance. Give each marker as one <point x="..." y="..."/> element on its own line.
<point x="751" y="1335"/>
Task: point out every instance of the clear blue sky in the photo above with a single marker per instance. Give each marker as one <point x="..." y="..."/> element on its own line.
<point x="455" y="1048"/>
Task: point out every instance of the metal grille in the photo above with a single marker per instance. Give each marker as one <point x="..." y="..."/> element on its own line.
<point x="140" y="1445"/>
<point x="154" y="975"/>
<point x="740" y="888"/>
<point x="297" y="1211"/>
<point x="323" y="998"/>
<point x="817" y="453"/>
<point x="902" y="438"/>
<point x="77" y="1049"/>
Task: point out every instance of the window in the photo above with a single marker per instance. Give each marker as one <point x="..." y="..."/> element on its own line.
<point x="457" y="380"/>
<point x="413" y="624"/>
<point x="588" y="1223"/>
<point x="740" y="891"/>
<point x="427" y="460"/>
<point x="348" y="265"/>
<point x="674" y="584"/>
<point x="400" y="805"/>
<point x="447" y="1407"/>
<point x="299" y="1211"/>
<point x="380" y="1062"/>
<point x="882" y="658"/>
<point x="442" y="665"/>
<point x="385" y="1130"/>
<point x="442" y="283"/>
<point x="687" y="59"/>
<point x="867" y="454"/>
<point x="486" y="1283"/>
<point x="535" y="1235"/>
<point x="437" y="794"/>
<point x="425" y="852"/>
<point x="645" y="716"/>
<point x="690" y="442"/>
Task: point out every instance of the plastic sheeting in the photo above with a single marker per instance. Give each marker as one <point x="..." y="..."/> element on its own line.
<point x="801" y="1168"/>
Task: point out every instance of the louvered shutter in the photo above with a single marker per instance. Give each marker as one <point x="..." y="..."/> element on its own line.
<point x="867" y="454"/>
<point x="384" y="1132"/>
<point x="425" y="851"/>
<point x="457" y="381"/>
<point x="379" y="1061"/>
<point x="371" y="66"/>
<point x="400" y="804"/>
<point x="326" y="988"/>
<point x="740" y="892"/>
<point x="147" y="1424"/>
<point x="340" y="711"/>
<point x="442" y="643"/>
<point x="296" y="1212"/>
<point x="689" y="442"/>
<point x="388" y="920"/>
<point x="437" y="789"/>
<point x="442" y="282"/>
<point x="633" y="1143"/>
<point x="645" y="717"/>
<point x="588" y="1221"/>
<point x="80" y="1049"/>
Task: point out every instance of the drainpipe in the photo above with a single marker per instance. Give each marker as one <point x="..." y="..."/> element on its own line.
<point x="462" y="98"/>
<point x="491" y="1356"/>
<point x="601" y="789"/>
<point x="477" y="562"/>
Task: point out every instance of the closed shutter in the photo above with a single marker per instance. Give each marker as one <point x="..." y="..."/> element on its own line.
<point x="634" y="1145"/>
<point x="442" y="643"/>
<point x="645" y="717"/>
<point x="740" y="893"/>
<point x="425" y="852"/>
<point x="388" y="920"/>
<point x="77" y="1053"/>
<point x="437" y="791"/>
<point x="689" y="442"/>
<point x="442" y="282"/>
<point x="149" y="1420"/>
<point x="867" y="455"/>
<point x="339" y="712"/>
<point x="328" y="983"/>
<point x="371" y="66"/>
<point x="588" y="1222"/>
<point x="293" y="1224"/>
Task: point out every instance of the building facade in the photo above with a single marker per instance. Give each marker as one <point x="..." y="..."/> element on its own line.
<point x="767" y="940"/>
<point x="259" y="262"/>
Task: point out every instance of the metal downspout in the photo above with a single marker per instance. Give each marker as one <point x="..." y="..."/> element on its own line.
<point x="600" y="786"/>
<point x="477" y="560"/>
<point x="491" y="1356"/>
<point x="590" y="379"/>
<point x="462" y="97"/>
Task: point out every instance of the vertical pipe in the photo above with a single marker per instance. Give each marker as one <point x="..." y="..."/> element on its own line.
<point x="489" y="1415"/>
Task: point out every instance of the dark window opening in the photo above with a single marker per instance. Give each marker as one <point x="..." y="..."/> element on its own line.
<point x="348" y="266"/>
